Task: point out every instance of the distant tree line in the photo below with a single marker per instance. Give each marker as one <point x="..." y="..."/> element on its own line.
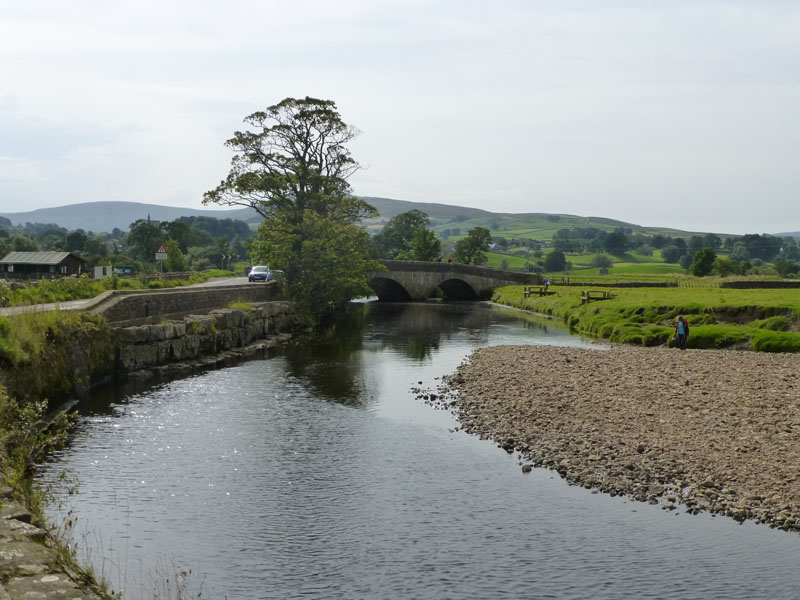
<point x="698" y="254"/>
<point x="193" y="243"/>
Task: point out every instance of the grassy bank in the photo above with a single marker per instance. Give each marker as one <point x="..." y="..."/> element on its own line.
<point x="48" y="291"/>
<point x="762" y="320"/>
<point x="44" y="357"/>
<point x="45" y="354"/>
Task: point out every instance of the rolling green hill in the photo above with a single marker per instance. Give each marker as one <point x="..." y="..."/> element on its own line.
<point x="536" y="226"/>
<point x="105" y="216"/>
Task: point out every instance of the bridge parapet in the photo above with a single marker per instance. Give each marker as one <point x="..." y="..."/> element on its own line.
<point x="443" y="267"/>
<point x="416" y="280"/>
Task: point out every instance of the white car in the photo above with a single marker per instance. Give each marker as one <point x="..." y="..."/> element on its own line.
<point x="259" y="273"/>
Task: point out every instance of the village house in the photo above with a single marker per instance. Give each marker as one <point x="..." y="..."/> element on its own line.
<point x="41" y="264"/>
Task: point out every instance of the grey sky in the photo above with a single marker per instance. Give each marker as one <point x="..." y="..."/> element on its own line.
<point x="681" y="113"/>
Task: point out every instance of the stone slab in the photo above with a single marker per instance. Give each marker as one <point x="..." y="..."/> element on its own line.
<point x="50" y="585"/>
<point x="25" y="558"/>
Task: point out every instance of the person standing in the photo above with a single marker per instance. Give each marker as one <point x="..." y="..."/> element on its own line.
<point x="682" y="332"/>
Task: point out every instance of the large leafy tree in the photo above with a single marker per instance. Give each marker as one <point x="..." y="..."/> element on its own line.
<point x="144" y="239"/>
<point x="555" y="261"/>
<point x="424" y="245"/>
<point x="23" y="242"/>
<point x="671" y="253"/>
<point x="703" y="262"/>
<point x="765" y="247"/>
<point x="394" y="240"/>
<point x="292" y="168"/>
<point x="472" y="249"/>
<point x="181" y="233"/>
<point x="175" y="259"/>
<point x="616" y="243"/>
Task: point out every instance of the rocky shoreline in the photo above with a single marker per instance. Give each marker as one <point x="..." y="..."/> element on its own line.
<point x="715" y="431"/>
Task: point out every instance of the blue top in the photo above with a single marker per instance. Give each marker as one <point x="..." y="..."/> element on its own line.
<point x="681" y="329"/>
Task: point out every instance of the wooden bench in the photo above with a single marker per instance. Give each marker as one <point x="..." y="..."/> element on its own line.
<point x="589" y="295"/>
<point x="539" y="290"/>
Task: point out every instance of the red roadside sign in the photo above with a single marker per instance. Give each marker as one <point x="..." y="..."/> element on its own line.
<point x="161" y="253"/>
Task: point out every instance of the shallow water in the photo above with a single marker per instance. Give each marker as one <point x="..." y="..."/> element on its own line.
<point x="318" y="474"/>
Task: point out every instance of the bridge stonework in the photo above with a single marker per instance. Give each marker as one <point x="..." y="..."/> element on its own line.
<point x="405" y="280"/>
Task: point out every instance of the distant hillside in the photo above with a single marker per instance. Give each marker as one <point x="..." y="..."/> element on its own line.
<point x="389" y="208"/>
<point x="105" y="216"/>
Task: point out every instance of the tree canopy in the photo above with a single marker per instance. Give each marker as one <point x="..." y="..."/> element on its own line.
<point x="555" y="261"/>
<point x="472" y="249"/>
<point x="295" y="160"/>
<point x="292" y="168"/>
<point x="616" y="243"/>
<point x="424" y="245"/>
<point x="144" y="239"/>
<point x="406" y="236"/>
<point x="703" y="262"/>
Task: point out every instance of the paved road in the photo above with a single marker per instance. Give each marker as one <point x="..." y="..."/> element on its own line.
<point x="71" y="305"/>
<point x="78" y="304"/>
<point x="217" y="281"/>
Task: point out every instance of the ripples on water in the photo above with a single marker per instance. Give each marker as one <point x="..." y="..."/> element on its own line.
<point x="319" y="475"/>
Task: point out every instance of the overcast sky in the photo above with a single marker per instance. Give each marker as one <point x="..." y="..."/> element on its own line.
<point x="683" y="113"/>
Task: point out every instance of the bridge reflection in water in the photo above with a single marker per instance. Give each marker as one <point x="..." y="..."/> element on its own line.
<point x="406" y="280"/>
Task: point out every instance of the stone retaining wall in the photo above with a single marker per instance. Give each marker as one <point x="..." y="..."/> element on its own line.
<point x="179" y="345"/>
<point x="135" y="307"/>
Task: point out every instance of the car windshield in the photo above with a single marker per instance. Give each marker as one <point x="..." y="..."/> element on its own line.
<point x="259" y="270"/>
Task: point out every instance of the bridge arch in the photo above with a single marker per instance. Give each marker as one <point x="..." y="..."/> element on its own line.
<point x="389" y="290"/>
<point x="401" y="281"/>
<point x="458" y="289"/>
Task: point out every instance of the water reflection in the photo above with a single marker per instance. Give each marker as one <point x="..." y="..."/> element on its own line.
<point x="329" y="360"/>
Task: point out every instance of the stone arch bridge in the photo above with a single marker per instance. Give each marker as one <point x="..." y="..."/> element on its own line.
<point x="406" y="280"/>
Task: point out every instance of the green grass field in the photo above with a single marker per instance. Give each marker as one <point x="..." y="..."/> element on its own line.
<point x="542" y="227"/>
<point x="643" y="268"/>
<point x="757" y="319"/>
<point x="514" y="262"/>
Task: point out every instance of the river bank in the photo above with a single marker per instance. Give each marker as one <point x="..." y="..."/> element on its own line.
<point x="764" y="320"/>
<point x="57" y="355"/>
<point x="712" y="430"/>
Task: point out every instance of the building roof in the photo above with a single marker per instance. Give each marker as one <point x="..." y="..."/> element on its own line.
<point x="36" y="258"/>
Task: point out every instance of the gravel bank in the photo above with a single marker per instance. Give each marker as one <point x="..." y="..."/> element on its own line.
<point x="713" y="430"/>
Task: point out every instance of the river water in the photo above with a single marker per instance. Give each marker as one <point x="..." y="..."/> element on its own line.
<point x="319" y="474"/>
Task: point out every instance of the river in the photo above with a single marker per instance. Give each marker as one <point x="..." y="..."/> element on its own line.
<point x="318" y="474"/>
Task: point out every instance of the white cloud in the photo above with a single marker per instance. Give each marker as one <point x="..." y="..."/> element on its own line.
<point x="679" y="113"/>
